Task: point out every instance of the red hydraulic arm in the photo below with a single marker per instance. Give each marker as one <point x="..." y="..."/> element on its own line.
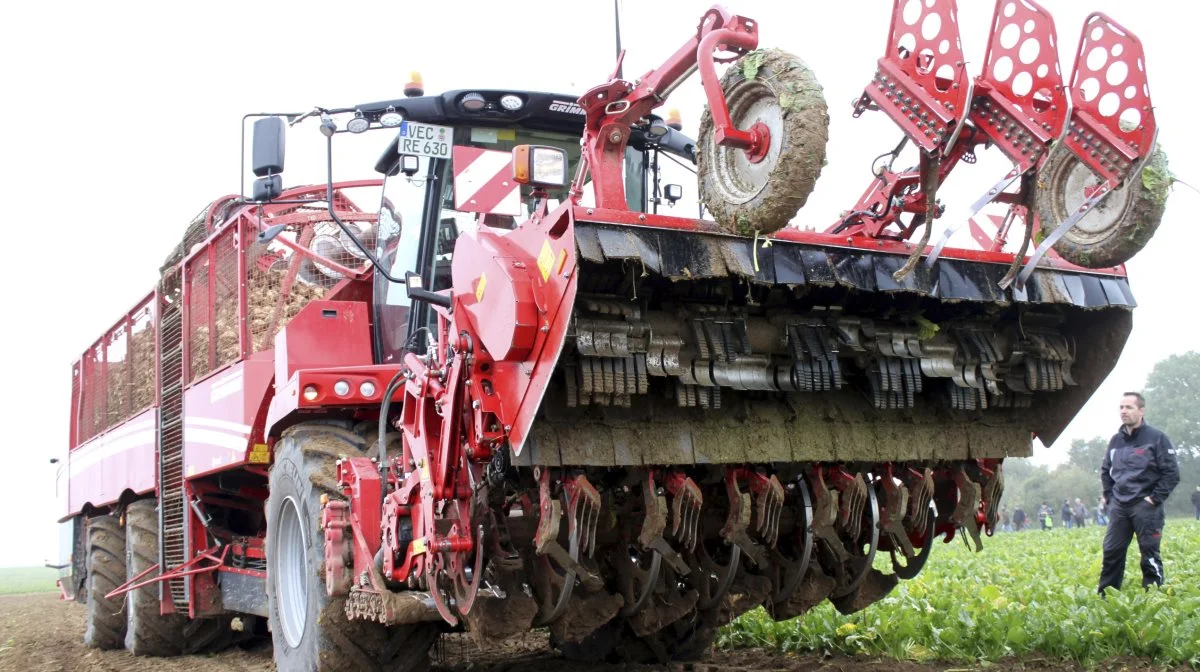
<point x="613" y="108"/>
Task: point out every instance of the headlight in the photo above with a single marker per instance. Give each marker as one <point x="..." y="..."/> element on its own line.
<point x="359" y="124"/>
<point x="511" y="103"/>
<point x="367" y="389"/>
<point x="390" y="118"/>
<point x="341" y="388"/>
<point x="549" y="166"/>
<point x="539" y="165"/>
<point x="310" y="392"/>
<point x="473" y="102"/>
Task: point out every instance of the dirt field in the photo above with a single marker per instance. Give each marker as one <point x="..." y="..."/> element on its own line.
<point x="39" y="633"/>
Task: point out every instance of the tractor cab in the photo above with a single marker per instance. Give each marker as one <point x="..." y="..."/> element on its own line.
<point x="446" y="175"/>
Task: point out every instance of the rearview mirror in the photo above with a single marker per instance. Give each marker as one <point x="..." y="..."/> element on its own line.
<point x="267" y="158"/>
<point x="268" y="147"/>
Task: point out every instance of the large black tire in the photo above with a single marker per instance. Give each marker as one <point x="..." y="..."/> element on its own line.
<point x="147" y="632"/>
<point x="310" y="630"/>
<point x="105" y="573"/>
<point x="1119" y="227"/>
<point x="743" y="196"/>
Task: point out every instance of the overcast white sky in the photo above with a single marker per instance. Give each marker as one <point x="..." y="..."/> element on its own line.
<point x="125" y="122"/>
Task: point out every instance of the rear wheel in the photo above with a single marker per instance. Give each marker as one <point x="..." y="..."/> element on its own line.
<point x="105" y="573"/>
<point x="1119" y="226"/>
<point x="147" y="633"/>
<point x="309" y="629"/>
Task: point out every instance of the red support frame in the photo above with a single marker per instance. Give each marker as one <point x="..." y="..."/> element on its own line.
<point x="614" y="107"/>
<point x="188" y="568"/>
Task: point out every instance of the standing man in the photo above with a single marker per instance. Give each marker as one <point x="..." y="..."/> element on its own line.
<point x="1196" y="501"/>
<point x="1138" y="474"/>
<point x="1019" y="518"/>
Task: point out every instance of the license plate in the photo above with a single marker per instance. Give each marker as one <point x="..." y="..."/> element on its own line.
<point x="425" y="140"/>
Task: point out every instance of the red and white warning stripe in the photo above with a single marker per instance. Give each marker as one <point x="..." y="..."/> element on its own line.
<point x="483" y="182"/>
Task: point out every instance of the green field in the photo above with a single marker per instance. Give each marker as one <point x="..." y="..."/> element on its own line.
<point x="15" y="580"/>
<point x="1028" y="593"/>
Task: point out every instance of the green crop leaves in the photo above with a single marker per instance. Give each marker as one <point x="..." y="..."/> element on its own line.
<point x="751" y="62"/>
<point x="1032" y="593"/>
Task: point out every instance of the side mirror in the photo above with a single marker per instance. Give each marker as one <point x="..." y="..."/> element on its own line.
<point x="416" y="292"/>
<point x="267" y="188"/>
<point x="267" y="157"/>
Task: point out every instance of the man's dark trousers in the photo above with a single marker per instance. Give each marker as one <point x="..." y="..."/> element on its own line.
<point x="1125" y="520"/>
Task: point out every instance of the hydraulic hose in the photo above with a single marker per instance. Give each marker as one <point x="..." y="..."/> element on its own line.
<point x="384" y="407"/>
<point x="342" y="225"/>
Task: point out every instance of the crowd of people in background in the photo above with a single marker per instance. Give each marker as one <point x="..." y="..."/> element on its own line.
<point x="1069" y="515"/>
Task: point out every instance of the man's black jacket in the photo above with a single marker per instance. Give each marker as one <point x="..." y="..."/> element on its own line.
<point x="1138" y="464"/>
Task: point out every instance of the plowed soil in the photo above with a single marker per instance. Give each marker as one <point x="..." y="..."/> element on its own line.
<point x="39" y="633"/>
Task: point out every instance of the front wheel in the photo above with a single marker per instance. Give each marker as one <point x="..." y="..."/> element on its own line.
<point x="309" y="629"/>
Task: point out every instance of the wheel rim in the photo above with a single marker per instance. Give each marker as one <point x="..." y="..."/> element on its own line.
<point x="1072" y="180"/>
<point x="738" y="179"/>
<point x="291" y="585"/>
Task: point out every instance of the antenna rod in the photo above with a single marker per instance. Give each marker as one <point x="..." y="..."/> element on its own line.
<point x="617" y="16"/>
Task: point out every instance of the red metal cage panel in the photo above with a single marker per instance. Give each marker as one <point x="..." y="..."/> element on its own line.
<point x="198" y="315"/>
<point x="114" y="379"/>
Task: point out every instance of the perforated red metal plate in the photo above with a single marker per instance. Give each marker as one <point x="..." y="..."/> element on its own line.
<point x="1020" y="100"/>
<point x="921" y="81"/>
<point x="1112" y="123"/>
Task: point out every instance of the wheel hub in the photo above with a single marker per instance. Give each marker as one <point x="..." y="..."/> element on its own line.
<point x="291" y="584"/>
<point x="1077" y="183"/>
<point x="743" y="174"/>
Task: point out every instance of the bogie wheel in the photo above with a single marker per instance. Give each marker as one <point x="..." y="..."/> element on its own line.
<point x="748" y="193"/>
<point x="147" y="632"/>
<point x="105" y="573"/>
<point x="309" y="629"/>
<point x="1119" y="226"/>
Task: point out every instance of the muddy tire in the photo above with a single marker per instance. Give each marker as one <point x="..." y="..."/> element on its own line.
<point x="147" y="632"/>
<point x="784" y="94"/>
<point x="309" y="629"/>
<point x="1119" y="227"/>
<point x="105" y="573"/>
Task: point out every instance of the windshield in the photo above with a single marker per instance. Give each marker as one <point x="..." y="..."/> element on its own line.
<point x="422" y="215"/>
